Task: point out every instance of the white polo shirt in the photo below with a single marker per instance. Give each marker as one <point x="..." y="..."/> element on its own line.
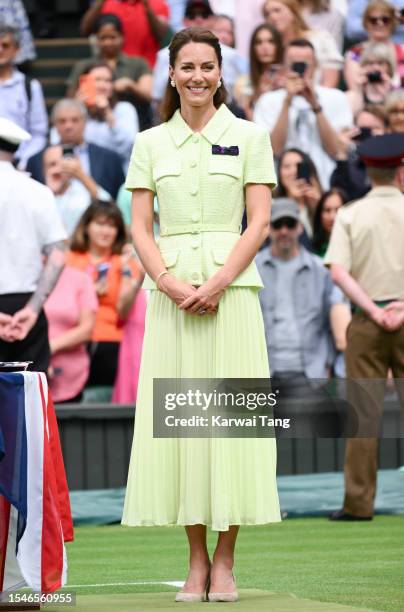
<point x="29" y="221"/>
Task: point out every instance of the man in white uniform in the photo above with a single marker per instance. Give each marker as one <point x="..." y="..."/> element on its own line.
<point x="32" y="254"/>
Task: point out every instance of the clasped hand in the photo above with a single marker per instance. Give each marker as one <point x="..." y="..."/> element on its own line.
<point x="192" y="298"/>
<point x="391" y="317"/>
<point x="17" y="327"/>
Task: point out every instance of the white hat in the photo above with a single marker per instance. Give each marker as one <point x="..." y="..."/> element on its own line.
<point x="11" y="135"/>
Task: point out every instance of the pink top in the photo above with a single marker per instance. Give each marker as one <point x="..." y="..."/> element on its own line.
<point x="73" y="293"/>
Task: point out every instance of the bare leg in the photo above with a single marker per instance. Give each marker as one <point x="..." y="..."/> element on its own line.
<point x="199" y="562"/>
<point x="223" y="561"/>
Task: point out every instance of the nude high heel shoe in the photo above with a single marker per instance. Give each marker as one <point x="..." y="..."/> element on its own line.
<point x="194" y="597"/>
<point x="232" y="596"/>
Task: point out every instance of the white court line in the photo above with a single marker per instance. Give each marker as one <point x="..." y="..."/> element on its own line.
<point x="108" y="584"/>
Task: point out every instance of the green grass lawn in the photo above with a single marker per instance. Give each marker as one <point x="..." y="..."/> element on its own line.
<point x="357" y="564"/>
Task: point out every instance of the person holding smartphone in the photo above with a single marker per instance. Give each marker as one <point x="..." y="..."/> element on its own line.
<point x="302" y="114"/>
<point x="376" y="77"/>
<point x="96" y="248"/>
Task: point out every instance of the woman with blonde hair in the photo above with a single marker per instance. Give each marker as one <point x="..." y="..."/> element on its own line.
<point x="375" y="80"/>
<point x="286" y="16"/>
<point x="379" y="21"/>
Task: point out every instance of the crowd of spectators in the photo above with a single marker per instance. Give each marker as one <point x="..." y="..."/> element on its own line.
<point x="319" y="75"/>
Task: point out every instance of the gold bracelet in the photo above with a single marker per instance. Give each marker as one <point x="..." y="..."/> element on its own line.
<point x="159" y="276"/>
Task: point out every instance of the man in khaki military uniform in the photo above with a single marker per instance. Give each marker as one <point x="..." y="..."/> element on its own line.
<point x="366" y="256"/>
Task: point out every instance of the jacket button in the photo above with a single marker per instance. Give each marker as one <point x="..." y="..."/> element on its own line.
<point x="195" y="244"/>
<point x="195" y="138"/>
<point x="194" y="191"/>
<point x="193" y="163"/>
<point x="195" y="276"/>
<point x="195" y="217"/>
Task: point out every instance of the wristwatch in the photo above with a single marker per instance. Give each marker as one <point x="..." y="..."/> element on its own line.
<point x="317" y="109"/>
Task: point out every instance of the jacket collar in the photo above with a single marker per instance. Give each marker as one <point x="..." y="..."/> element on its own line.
<point x="305" y="258"/>
<point x="213" y="130"/>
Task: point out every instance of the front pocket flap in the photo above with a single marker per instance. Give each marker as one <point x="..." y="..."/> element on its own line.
<point x="166" y="167"/>
<point x="225" y="164"/>
<point x="170" y="257"/>
<point x="220" y="255"/>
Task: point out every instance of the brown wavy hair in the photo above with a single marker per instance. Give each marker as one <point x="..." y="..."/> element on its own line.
<point x="256" y="68"/>
<point x="99" y="209"/>
<point x="171" y="100"/>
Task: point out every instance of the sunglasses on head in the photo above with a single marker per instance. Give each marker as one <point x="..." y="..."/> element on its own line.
<point x="284" y="221"/>
<point x="382" y="19"/>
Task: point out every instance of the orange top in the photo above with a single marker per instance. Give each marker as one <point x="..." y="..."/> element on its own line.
<point x="108" y="327"/>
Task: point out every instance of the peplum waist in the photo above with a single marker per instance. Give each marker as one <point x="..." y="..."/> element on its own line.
<point x="195" y="256"/>
<point x="196" y="228"/>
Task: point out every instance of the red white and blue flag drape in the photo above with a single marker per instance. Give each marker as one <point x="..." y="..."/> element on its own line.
<point x="35" y="516"/>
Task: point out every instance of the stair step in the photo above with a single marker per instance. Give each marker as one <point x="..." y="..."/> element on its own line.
<point x="52" y="68"/>
<point x="51" y="101"/>
<point x="59" y="42"/>
<point x="75" y="48"/>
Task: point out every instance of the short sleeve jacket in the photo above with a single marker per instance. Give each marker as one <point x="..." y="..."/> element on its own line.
<point x="200" y="180"/>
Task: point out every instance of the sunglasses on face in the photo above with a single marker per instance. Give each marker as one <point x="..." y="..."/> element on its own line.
<point x="382" y="19"/>
<point x="284" y="222"/>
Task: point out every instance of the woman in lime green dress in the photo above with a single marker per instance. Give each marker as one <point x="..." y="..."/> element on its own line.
<point x="203" y="318"/>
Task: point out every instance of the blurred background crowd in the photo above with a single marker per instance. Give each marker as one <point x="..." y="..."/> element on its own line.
<point x="320" y="75"/>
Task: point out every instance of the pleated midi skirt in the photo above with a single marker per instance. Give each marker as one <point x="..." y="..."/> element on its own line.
<point x="211" y="481"/>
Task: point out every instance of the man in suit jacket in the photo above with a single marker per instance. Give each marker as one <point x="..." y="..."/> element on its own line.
<point x="104" y="166"/>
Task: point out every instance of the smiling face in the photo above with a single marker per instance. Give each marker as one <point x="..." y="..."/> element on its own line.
<point x="196" y="74"/>
<point x="379" y="25"/>
<point x="102" y="233"/>
<point x="55" y="178"/>
<point x="279" y="16"/>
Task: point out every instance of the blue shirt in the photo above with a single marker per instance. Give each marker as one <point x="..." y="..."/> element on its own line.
<point x="312" y="295"/>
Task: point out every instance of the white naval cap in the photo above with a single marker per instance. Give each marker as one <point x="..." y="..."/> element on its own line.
<point x="11" y="135"/>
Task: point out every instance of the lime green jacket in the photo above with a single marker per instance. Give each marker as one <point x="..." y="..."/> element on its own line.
<point x="200" y="180"/>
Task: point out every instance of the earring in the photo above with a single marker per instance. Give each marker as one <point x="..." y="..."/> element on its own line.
<point x="172" y="83"/>
<point x="219" y="83"/>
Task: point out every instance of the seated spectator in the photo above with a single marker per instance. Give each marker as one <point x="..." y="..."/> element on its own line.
<point x="266" y="56"/>
<point x="296" y="302"/>
<point x="324" y="218"/>
<point x="124" y="203"/>
<point x="375" y="79"/>
<point x="145" y="24"/>
<point x="298" y="181"/>
<point x="21" y="98"/>
<point x="13" y="14"/>
<point x="70" y="310"/>
<point x="223" y="28"/>
<point x="69" y="119"/>
<point x="395" y="111"/>
<point x="133" y="76"/>
<point x="177" y="8"/>
<point x="96" y="248"/>
<point x="198" y="14"/>
<point x="350" y="173"/>
<point x="356" y="29"/>
<point x="110" y="124"/>
<point x="379" y="21"/>
<point x="286" y="17"/>
<point x="72" y="187"/>
<point x="304" y="115"/>
<point x="319" y="15"/>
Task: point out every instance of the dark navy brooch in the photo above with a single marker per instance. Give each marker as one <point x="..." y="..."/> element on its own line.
<point x="219" y="150"/>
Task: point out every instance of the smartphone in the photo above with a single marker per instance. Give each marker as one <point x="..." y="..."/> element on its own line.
<point x="375" y="77"/>
<point x="102" y="271"/>
<point x="88" y="89"/>
<point x="364" y="134"/>
<point x="303" y="171"/>
<point x="67" y="150"/>
<point x="299" y="67"/>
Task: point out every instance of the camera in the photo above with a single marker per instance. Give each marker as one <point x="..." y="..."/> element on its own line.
<point x="299" y="67"/>
<point x="375" y="77"/>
